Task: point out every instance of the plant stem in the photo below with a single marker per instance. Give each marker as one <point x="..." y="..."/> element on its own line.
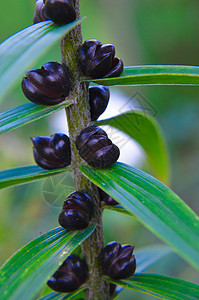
<point x="78" y="116"/>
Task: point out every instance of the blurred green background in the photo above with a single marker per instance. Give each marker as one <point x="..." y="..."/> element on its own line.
<point x="144" y="32"/>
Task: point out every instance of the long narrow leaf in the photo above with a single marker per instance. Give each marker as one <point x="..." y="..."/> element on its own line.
<point x="156" y="206"/>
<point x="154" y="75"/>
<point x="160" y="286"/>
<point x="60" y="296"/>
<point x="27" y="271"/>
<point x="148" y="256"/>
<point x="26" y="174"/>
<point x="27" y="113"/>
<point x="20" y="51"/>
<point x="145" y="130"/>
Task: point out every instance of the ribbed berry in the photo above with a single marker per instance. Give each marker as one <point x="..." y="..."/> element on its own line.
<point x="77" y="211"/>
<point x="52" y="152"/>
<point x="96" y="148"/>
<point x="118" y="262"/>
<point x="70" y="275"/>
<point x="98" y="60"/>
<point x="49" y="85"/>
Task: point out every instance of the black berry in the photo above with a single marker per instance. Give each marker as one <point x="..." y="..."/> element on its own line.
<point x="98" y="60"/>
<point x="118" y="261"/>
<point x="98" y="100"/>
<point x="70" y="275"/>
<point x="49" y="85"/>
<point x="60" y="11"/>
<point x="96" y="149"/>
<point x="49" y="154"/>
<point x="77" y="211"/>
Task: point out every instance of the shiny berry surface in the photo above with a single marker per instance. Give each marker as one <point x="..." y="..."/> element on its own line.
<point x="118" y="261"/>
<point x="77" y="211"/>
<point x="49" y="156"/>
<point x="98" y="100"/>
<point x="96" y="148"/>
<point x="70" y="275"/>
<point x="60" y="11"/>
<point x="60" y="143"/>
<point x="97" y="60"/>
<point x="49" y="85"/>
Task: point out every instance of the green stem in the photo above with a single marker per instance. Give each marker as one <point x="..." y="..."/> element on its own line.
<point x="78" y="117"/>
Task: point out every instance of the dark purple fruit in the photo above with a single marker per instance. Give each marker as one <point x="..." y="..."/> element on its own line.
<point x="60" y="11"/>
<point x="97" y="60"/>
<point x="98" y="100"/>
<point x="50" y="155"/>
<point x="118" y="262"/>
<point x="49" y="85"/>
<point x="96" y="149"/>
<point x="77" y="211"/>
<point x="70" y="275"/>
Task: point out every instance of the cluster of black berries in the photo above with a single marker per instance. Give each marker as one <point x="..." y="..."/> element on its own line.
<point x="50" y="85"/>
<point x="118" y="262"/>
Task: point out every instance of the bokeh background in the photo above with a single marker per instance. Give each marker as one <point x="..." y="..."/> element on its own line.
<point x="144" y="32"/>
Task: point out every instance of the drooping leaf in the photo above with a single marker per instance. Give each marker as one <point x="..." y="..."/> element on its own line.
<point x="27" y="113"/>
<point x="26" y="174"/>
<point x="154" y="75"/>
<point x="27" y="271"/>
<point x="21" y="50"/>
<point x="60" y="296"/>
<point x="156" y="206"/>
<point x="145" y="130"/>
<point x="160" y="286"/>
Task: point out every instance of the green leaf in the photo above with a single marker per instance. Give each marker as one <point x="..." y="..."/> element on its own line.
<point x="156" y="206"/>
<point x="27" y="271"/>
<point x="26" y="174"/>
<point x="60" y="296"/>
<point x="27" y="113"/>
<point x="154" y="75"/>
<point x="160" y="286"/>
<point x="146" y="131"/>
<point x="21" y="50"/>
<point x="118" y="208"/>
<point x="147" y="256"/>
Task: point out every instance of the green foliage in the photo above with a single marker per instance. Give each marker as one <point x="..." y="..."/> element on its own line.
<point x="26" y="174"/>
<point x="154" y="75"/>
<point x="156" y="206"/>
<point x="24" y="275"/>
<point x="59" y="296"/>
<point x="27" y="113"/>
<point x="26" y="272"/>
<point x="160" y="286"/>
